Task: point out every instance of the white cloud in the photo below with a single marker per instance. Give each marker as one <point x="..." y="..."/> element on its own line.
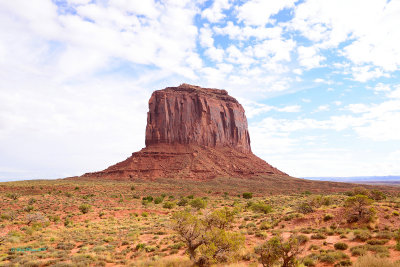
<point x="364" y="24"/>
<point x="294" y="108"/>
<point x="236" y="32"/>
<point x="215" y="12"/>
<point x="395" y="93"/>
<point x="380" y="87"/>
<point x="337" y="103"/>
<point x="366" y="73"/>
<point x="309" y="57"/>
<point x="258" y="12"/>
<point x="358" y="108"/>
<point x="206" y="38"/>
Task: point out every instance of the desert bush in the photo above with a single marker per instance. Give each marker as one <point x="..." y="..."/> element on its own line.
<point x="341" y="246"/>
<point x="307" y="261"/>
<point x="261" y="207"/>
<point x="198" y="203"/>
<point x="360" y="191"/>
<point x="358" y="208"/>
<point x="158" y="200"/>
<point x="148" y="199"/>
<point x="332" y="256"/>
<point x="208" y="236"/>
<point x="54" y="218"/>
<point x="328" y="217"/>
<point x="13" y="196"/>
<point x="305" y="208"/>
<point x="358" y="250"/>
<point x="247" y="195"/>
<point x="318" y="236"/>
<point x="84" y="208"/>
<point x="220" y="246"/>
<point x="220" y="218"/>
<point x="361" y="235"/>
<point x="265" y="226"/>
<point x="29" y="208"/>
<point x="343" y="263"/>
<point x="182" y="201"/>
<point x="35" y="217"/>
<point x="169" y="204"/>
<point x="377" y="241"/>
<point x="68" y="222"/>
<point x="65" y="246"/>
<point x="384" y="235"/>
<point x="31" y="201"/>
<point x="376" y="194"/>
<point x="302" y="239"/>
<point x="373" y="261"/>
<point x="132" y="187"/>
<point x="276" y="250"/>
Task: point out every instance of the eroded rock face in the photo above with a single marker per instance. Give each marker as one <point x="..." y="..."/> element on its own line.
<point x="193" y="115"/>
<point x="195" y="133"/>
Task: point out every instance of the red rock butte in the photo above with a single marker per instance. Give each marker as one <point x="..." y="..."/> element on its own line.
<point x="192" y="132"/>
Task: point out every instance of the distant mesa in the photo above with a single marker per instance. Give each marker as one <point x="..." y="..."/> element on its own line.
<point x="192" y="132"/>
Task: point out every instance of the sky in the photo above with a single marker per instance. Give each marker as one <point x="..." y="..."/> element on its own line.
<point x="319" y="79"/>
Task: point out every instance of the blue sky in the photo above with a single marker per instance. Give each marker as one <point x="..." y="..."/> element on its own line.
<point x="319" y="79"/>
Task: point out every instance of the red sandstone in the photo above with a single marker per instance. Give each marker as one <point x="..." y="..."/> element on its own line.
<point x="192" y="132"/>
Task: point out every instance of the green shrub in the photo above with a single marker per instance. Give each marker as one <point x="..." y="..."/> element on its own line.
<point x="358" y="250"/>
<point x="361" y="235"/>
<point x="198" y="203"/>
<point x="358" y="208"/>
<point x="341" y="246"/>
<point x="247" y="195"/>
<point x="275" y="250"/>
<point x="208" y="236"/>
<point x="318" y="236"/>
<point x="332" y="257"/>
<point x="305" y="208"/>
<point x="261" y="207"/>
<point x="158" y="200"/>
<point x="182" y="202"/>
<point x="148" y="199"/>
<point x="84" y="208"/>
<point x="308" y="262"/>
<point x="384" y="235"/>
<point x="328" y="217"/>
<point x="169" y="205"/>
<point x="377" y="195"/>
<point x="13" y="196"/>
<point x="377" y="241"/>
<point x="344" y="263"/>
<point x="68" y="222"/>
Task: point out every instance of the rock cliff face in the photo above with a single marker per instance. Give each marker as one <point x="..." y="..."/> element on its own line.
<point x="193" y="115"/>
<point x="192" y="132"/>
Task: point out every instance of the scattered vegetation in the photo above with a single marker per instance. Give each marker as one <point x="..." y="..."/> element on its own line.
<point x="90" y="223"/>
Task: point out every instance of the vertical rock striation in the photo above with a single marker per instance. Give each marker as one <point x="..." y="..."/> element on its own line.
<point x="193" y="115"/>
<point x="192" y="132"/>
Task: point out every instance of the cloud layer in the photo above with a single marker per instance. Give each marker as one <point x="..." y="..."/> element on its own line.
<point x="319" y="79"/>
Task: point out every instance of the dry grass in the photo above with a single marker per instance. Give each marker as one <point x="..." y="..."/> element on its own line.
<point x="120" y="228"/>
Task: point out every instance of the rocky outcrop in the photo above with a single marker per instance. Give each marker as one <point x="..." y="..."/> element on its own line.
<point x="192" y="132"/>
<point x="193" y="115"/>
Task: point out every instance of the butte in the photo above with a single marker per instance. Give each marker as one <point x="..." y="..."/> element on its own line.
<point x="196" y="133"/>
